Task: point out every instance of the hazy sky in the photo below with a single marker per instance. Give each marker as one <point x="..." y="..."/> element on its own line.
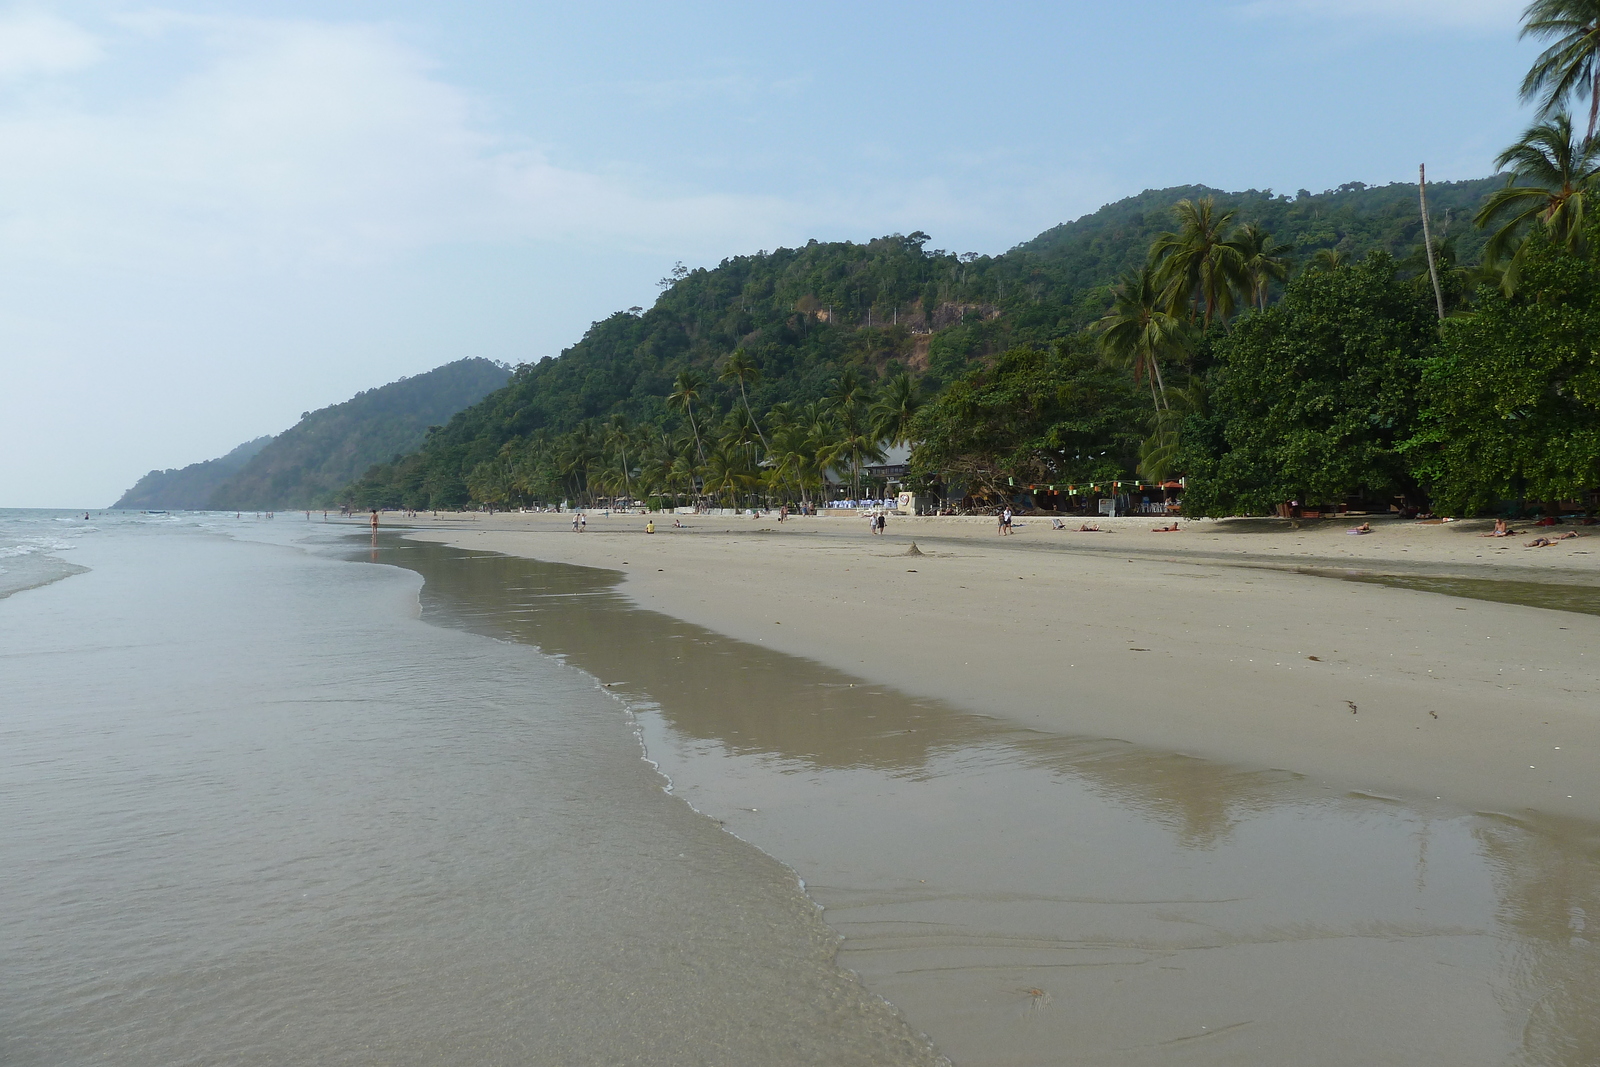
<point x="215" y="216"/>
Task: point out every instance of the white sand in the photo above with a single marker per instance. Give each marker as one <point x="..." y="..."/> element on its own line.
<point x="1184" y="642"/>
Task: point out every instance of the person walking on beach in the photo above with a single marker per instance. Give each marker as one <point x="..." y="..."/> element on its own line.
<point x="374" y="520"/>
<point x="583" y="522"/>
<point x="574" y="522"/>
<point x="1005" y="521"/>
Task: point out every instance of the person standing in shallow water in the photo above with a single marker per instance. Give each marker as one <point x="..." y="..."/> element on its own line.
<point x="374" y="520"/>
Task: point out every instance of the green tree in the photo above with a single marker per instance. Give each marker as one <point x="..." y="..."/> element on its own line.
<point x="1570" y="66"/>
<point x="1038" y="415"/>
<point x="1197" y="265"/>
<point x="1138" y="332"/>
<point x="1551" y="179"/>
<point x="741" y="369"/>
<point x="686" y="389"/>
<point x="1328" y="259"/>
<point x="1311" y="399"/>
<point x="1263" y="261"/>
<point x="894" y="409"/>
<point x="850" y="405"/>
<point x="1513" y="392"/>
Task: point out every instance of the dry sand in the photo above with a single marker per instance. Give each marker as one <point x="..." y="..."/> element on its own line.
<point x="1204" y="642"/>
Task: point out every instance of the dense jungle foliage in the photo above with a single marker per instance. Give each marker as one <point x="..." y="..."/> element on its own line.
<point x="894" y="314"/>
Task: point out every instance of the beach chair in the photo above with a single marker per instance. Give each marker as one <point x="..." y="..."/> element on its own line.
<point x="1057" y="524"/>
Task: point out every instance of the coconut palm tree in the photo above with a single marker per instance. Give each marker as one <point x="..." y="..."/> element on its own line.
<point x="1570" y="66"/>
<point x="728" y="472"/>
<point x="1262" y="261"/>
<point x="794" y="458"/>
<point x="1139" y="330"/>
<point x="1158" y="453"/>
<point x="855" y="444"/>
<point x="1197" y="266"/>
<point x="1328" y="259"/>
<point x="895" y="407"/>
<point x="685" y="391"/>
<point x="1551" y="177"/>
<point x="619" y="438"/>
<point x="742" y="369"/>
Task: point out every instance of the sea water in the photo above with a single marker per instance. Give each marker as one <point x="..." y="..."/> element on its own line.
<point x="277" y="795"/>
<point x="257" y="812"/>
<point x="1034" y="899"/>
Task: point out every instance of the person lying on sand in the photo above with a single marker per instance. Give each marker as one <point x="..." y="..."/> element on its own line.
<point x="1086" y="528"/>
<point x="1173" y="528"/>
<point x="1364" y="528"/>
<point x="1546" y="542"/>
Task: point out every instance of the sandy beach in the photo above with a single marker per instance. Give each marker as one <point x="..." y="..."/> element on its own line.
<point x="1206" y="642"/>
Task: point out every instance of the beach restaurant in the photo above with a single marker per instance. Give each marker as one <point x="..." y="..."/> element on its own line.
<point x="1116" y="497"/>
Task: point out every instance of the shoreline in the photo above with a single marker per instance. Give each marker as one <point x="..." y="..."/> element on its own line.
<point x="1211" y="647"/>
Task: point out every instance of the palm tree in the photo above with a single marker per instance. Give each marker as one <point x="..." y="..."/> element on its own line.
<point x="618" y="436"/>
<point x="1158" y="453"/>
<point x="893" y="410"/>
<point x="1556" y="172"/>
<point x="849" y="404"/>
<point x="1262" y="261"/>
<point x="685" y="391"/>
<point x="1329" y="259"/>
<point x="742" y="369"/>
<point x="1139" y="330"/>
<point x="794" y="458"/>
<point x="1571" y="65"/>
<point x="729" y="471"/>
<point x="1197" y="266"/>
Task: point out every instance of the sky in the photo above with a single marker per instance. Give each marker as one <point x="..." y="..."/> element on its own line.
<point x="217" y="216"/>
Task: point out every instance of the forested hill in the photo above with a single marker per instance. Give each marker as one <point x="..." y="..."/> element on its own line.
<point x="308" y="463"/>
<point x="189" y="488"/>
<point x="806" y="314"/>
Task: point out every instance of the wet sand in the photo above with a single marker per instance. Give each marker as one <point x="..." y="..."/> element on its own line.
<point x="1206" y="642"/>
<point x="1027" y="897"/>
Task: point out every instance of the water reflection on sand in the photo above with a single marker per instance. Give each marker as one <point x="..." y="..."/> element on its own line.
<point x="1031" y="898"/>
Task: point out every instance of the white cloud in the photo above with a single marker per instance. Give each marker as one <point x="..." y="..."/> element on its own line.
<point x="297" y="142"/>
<point x="37" y="43"/>
<point x="1420" y="14"/>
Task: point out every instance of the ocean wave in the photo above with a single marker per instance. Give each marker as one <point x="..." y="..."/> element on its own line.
<point x="29" y="546"/>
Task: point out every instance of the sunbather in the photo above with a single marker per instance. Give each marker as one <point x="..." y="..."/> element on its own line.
<point x="1173" y="528"/>
<point x="1087" y="528"/>
<point x="1364" y="528"/>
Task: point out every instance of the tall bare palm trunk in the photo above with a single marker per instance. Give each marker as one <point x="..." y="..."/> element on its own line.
<point x="1594" y="105"/>
<point x="1427" y="237"/>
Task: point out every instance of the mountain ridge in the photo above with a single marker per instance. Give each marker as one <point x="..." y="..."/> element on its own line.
<point x="804" y="315"/>
<point x="306" y="465"/>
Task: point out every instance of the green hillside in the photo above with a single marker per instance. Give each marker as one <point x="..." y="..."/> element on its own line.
<point x="308" y="463"/>
<point x="189" y="488"/>
<point x="804" y="315"/>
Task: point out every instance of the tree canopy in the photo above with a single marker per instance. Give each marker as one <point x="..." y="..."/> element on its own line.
<point x="1312" y="398"/>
